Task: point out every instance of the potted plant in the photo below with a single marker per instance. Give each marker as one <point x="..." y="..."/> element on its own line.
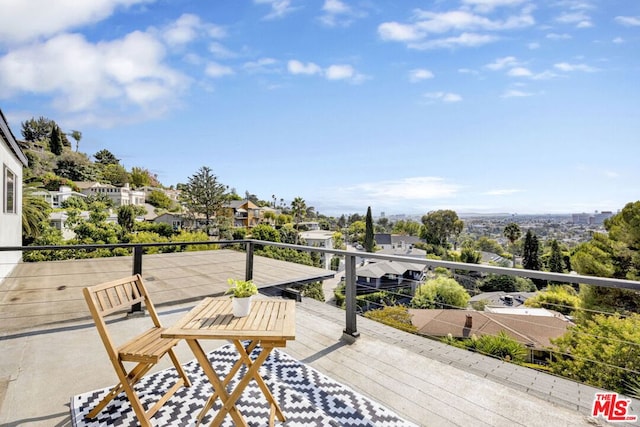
<point x="241" y="291"/>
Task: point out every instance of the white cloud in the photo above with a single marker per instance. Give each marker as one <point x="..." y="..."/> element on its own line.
<point x="262" y="65"/>
<point x="279" y="8"/>
<point x="618" y="40"/>
<point x="533" y="45"/>
<point x="556" y="36"/>
<point x="513" y="93"/>
<point x="443" y="96"/>
<point x="580" y="19"/>
<point x="460" y="20"/>
<point x="26" y="20"/>
<point x="420" y="74"/>
<point x="519" y="72"/>
<point x="335" y="7"/>
<point x="216" y="70"/>
<point x="485" y="6"/>
<point x="220" y="51"/>
<point x="188" y="28"/>
<point x="468" y="29"/>
<point x="395" y="31"/>
<point x="297" y="67"/>
<point x="468" y="71"/>
<point x="629" y="21"/>
<point x="338" y="13"/>
<point x="463" y="40"/>
<point x="414" y="188"/>
<point x="502" y="192"/>
<point x="333" y="72"/>
<point x="565" y="66"/>
<point x="340" y="72"/>
<point x="81" y="76"/>
<point x="500" y="63"/>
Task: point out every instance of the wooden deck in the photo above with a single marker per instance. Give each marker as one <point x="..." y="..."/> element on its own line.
<point x="46" y="356"/>
<point x="424" y="381"/>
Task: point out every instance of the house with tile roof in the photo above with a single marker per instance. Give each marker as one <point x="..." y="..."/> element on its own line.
<point x="533" y="331"/>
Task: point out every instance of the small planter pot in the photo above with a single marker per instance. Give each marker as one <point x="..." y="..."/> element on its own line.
<point x="241" y="306"/>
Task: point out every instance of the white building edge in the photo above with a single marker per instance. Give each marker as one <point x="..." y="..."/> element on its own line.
<point x="12" y="160"/>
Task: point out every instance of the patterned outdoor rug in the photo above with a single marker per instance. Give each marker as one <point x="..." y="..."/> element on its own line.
<point x="306" y="397"/>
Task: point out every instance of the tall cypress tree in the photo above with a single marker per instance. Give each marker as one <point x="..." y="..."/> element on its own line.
<point x="369" y="242"/>
<point x="531" y="252"/>
<point x="556" y="261"/>
<point x="531" y="256"/>
<point x="55" y="141"/>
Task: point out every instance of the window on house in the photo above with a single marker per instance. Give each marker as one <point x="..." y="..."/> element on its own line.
<point x="9" y="202"/>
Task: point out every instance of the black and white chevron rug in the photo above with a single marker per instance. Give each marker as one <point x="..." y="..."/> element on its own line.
<point x="306" y="397"/>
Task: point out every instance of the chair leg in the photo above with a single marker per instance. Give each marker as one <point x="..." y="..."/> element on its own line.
<point x="127" y="383"/>
<point x="131" y="378"/>
<point x="179" y="368"/>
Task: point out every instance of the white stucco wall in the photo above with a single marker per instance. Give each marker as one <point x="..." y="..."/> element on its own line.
<point x="10" y="224"/>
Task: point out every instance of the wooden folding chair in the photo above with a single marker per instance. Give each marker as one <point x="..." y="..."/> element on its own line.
<point x="145" y="349"/>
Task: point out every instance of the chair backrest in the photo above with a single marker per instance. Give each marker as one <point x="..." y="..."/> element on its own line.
<point x="113" y="297"/>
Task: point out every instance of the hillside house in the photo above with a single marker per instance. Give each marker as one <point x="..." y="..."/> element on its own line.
<point x="121" y="196"/>
<point x="245" y="213"/>
<point x="389" y="275"/>
<point x="319" y="239"/>
<point x="56" y="198"/>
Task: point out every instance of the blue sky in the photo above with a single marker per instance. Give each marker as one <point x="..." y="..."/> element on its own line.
<point x="404" y="106"/>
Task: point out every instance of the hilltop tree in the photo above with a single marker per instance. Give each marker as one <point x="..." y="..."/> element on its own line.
<point x="406" y="227"/>
<point x="141" y="177"/>
<point x="512" y="233"/>
<point x="159" y="199"/>
<point x="439" y="225"/>
<point x="203" y="194"/>
<point x="115" y="174"/>
<point x="75" y="167"/>
<point x="77" y="136"/>
<point x="105" y="157"/>
<point x="369" y="242"/>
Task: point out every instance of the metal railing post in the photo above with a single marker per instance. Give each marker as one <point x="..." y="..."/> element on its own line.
<point x="248" y="273"/>
<point x="137" y="269"/>
<point x="350" y="297"/>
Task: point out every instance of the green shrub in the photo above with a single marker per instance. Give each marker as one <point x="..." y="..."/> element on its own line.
<point x="561" y="298"/>
<point x="313" y="290"/>
<point x="396" y="316"/>
<point x="501" y="346"/>
<point x="441" y="292"/>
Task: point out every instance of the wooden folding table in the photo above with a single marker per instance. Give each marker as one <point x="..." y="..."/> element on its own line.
<point x="270" y="324"/>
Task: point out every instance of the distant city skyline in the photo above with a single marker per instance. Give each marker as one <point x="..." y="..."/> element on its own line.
<point x="479" y="106"/>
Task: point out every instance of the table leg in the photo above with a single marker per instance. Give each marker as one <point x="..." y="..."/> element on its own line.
<point x="251" y="374"/>
<point x="236" y="366"/>
<point x="244" y="356"/>
<point x="218" y="387"/>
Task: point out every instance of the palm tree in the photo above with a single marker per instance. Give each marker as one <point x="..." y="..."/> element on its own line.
<point x="77" y="135"/>
<point x="298" y="209"/>
<point x="35" y="210"/>
<point x="512" y="233"/>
